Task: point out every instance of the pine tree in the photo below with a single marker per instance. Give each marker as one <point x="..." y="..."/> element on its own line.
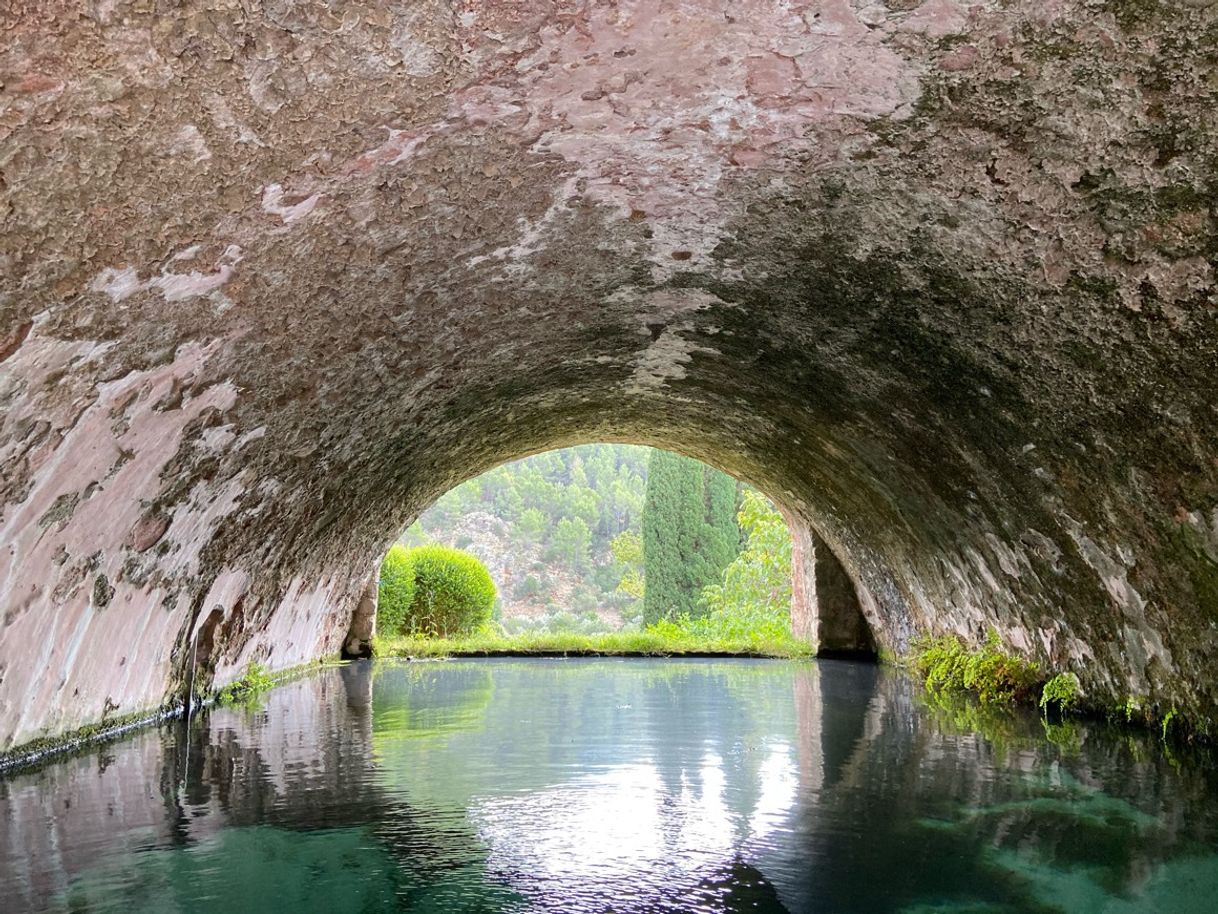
<point x="690" y="533"/>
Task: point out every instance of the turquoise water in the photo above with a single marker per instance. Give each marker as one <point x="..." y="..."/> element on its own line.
<point x="612" y="785"/>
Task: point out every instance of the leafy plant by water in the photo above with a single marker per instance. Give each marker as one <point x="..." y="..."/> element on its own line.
<point x="1061" y="692"/>
<point x="248" y="688"/>
<point x="990" y="672"/>
<point x="754" y="595"/>
<point x="1168" y="718"/>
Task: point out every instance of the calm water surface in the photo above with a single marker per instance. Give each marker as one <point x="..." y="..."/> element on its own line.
<point x="612" y="786"/>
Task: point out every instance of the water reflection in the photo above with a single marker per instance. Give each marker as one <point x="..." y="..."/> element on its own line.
<point x="611" y="785"/>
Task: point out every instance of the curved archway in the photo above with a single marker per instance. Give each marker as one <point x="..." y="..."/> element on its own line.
<point x="602" y="487"/>
<point x="265" y="306"/>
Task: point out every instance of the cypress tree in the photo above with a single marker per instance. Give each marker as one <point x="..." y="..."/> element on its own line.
<point x="720" y="542"/>
<point x="690" y="533"/>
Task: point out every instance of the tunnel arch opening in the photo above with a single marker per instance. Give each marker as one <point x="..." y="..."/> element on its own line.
<point x="556" y="519"/>
<point x="233" y="370"/>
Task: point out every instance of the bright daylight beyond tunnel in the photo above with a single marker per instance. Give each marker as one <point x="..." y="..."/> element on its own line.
<point x="595" y="549"/>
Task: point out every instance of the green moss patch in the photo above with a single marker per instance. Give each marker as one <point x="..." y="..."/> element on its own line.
<point x="34" y="751"/>
<point x="989" y="672"/>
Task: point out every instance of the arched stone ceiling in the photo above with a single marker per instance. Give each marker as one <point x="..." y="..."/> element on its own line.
<point x="938" y="275"/>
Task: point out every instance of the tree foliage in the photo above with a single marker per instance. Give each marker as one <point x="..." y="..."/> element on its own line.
<point x="433" y="590"/>
<point x="562" y="506"/>
<point x="570" y="542"/>
<point x="755" y="591"/>
<point x="689" y="533"/>
<point x="581" y="515"/>
<point x="627" y="549"/>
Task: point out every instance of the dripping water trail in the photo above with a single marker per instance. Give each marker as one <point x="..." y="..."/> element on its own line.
<point x="190" y="706"/>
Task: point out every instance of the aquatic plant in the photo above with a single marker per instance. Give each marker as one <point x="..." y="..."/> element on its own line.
<point x="1061" y="692"/>
<point x="990" y="672"/>
<point x="1168" y="718"/>
<point x="1131" y="707"/>
<point x="248" y="688"/>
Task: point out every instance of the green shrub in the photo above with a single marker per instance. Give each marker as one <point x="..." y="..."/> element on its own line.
<point x="989" y="671"/>
<point x="453" y="592"/>
<point x="1061" y="691"/>
<point x="396" y="593"/>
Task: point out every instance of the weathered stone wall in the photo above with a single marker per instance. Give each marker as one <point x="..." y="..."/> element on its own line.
<point x="939" y="276"/>
<point x="803" y="577"/>
<point x="358" y="642"/>
<point x="826" y="608"/>
<point x="841" y="628"/>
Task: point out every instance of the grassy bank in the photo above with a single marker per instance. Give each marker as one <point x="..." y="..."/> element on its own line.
<point x="649" y="643"/>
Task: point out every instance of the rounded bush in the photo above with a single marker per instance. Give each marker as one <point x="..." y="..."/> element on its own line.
<point x="396" y="592"/>
<point x="453" y="592"/>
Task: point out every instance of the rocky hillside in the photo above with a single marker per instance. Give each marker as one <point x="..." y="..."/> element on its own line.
<point x="544" y="526"/>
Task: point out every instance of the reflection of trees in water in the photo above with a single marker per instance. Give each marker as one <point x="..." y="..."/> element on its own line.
<point x="577" y="747"/>
<point x="894" y="806"/>
<point x="426" y="700"/>
<point x="548" y="720"/>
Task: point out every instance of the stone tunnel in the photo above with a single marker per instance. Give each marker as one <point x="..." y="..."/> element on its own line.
<point x="939" y="276"/>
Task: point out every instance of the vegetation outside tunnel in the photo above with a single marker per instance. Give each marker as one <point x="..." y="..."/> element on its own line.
<point x="605" y="549"/>
<point x="434" y="591"/>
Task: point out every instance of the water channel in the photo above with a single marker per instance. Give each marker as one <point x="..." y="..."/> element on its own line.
<point x="612" y="786"/>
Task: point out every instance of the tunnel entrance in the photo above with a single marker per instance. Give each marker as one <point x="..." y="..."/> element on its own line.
<point x="613" y="539"/>
<point x="914" y="270"/>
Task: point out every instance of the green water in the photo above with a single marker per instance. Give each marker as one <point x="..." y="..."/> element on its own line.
<point x="612" y="785"/>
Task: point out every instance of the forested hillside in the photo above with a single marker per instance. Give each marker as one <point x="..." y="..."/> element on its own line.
<point x="582" y="540"/>
<point x="544" y="527"/>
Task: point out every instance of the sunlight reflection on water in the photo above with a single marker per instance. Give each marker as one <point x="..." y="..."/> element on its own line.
<point x="602" y="785"/>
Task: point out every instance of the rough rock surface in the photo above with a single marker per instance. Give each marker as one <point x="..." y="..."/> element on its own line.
<point x="826" y="603"/>
<point x="937" y="275"/>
